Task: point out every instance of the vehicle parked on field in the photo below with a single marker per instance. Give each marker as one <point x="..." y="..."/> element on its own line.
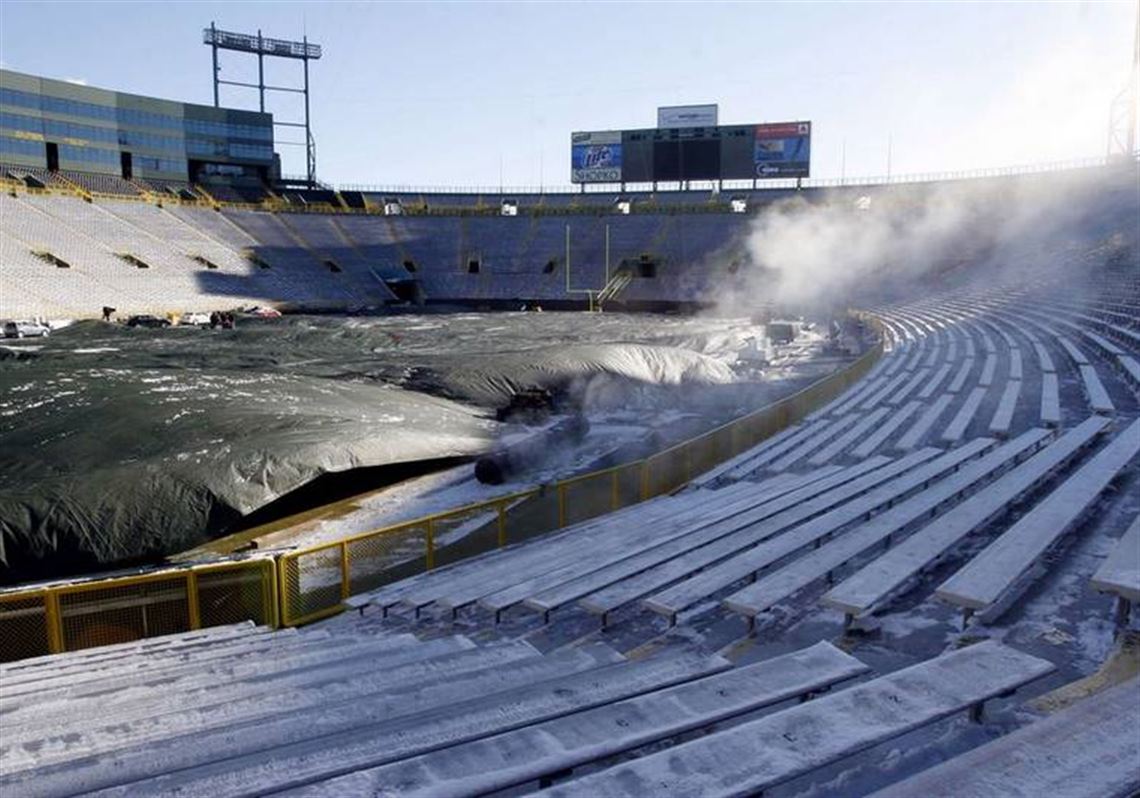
<point x="195" y="318"/>
<point x="147" y="320"/>
<point x="26" y="329"/>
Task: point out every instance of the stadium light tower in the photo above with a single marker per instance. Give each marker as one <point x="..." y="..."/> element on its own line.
<point x="260" y="46"/>
<point x="1122" y="112"/>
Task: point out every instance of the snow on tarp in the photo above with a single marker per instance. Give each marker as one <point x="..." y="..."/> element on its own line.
<point x="123" y="442"/>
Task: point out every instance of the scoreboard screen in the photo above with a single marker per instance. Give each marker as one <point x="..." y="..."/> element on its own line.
<point x="723" y="152"/>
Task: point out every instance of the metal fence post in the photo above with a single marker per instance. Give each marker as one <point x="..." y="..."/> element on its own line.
<point x="54" y="620"/>
<point x="193" y="605"/>
<point x="345" y="581"/>
<point x="430" y="544"/>
<point x="283" y="591"/>
<point x="271" y="590"/>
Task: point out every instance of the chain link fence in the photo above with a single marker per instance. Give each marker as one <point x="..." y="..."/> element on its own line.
<point x="100" y="612"/>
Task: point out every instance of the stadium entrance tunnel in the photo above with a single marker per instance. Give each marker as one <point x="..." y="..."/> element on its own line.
<point x="406" y="290"/>
<point x="643" y="266"/>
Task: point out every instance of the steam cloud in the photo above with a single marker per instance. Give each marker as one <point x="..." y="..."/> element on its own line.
<point x="875" y="244"/>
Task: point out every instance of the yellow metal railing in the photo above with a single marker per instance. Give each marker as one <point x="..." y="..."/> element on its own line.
<point x="302" y="586"/>
<point x="315" y="581"/>
<point x="68" y="617"/>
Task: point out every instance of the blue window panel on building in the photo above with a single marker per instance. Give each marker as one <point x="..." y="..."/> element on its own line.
<point x="11" y="146"/>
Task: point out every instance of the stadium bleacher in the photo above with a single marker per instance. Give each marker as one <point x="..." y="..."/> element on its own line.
<point x="242" y="193"/>
<point x="763" y="753"/>
<point x="99" y="183"/>
<point x="790" y="617"/>
<point x="1087" y="751"/>
<point x="518" y="259"/>
<point x="845" y="509"/>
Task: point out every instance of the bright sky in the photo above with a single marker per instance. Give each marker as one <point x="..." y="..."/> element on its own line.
<point x="482" y="93"/>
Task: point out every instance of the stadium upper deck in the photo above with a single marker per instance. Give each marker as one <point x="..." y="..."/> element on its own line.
<point x="68" y="251"/>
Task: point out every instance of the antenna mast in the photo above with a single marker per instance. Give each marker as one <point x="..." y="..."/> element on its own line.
<point x="261" y="46"/>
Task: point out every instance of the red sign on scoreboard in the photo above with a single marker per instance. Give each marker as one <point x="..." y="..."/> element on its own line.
<point x="783" y="130"/>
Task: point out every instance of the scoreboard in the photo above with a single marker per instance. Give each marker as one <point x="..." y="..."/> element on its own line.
<point x="722" y="152"/>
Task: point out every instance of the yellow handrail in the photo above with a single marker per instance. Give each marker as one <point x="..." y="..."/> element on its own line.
<point x="51" y="619"/>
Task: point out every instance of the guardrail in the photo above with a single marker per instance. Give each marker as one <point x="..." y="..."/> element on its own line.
<point x="302" y="586"/>
<point x="67" y="617"/>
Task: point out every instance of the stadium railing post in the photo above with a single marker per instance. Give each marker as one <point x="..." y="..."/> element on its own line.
<point x="54" y="622"/>
<point x="193" y="606"/>
<point x="282" y="591"/>
<point x="345" y="581"/>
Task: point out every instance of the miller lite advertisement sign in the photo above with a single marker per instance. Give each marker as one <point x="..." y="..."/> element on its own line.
<point x="595" y="157"/>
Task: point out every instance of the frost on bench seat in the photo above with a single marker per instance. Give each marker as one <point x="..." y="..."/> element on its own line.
<point x="1090" y="750"/>
<point x="753" y="756"/>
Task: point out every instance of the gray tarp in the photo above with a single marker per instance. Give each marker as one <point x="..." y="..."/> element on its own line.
<point x="118" y="442"/>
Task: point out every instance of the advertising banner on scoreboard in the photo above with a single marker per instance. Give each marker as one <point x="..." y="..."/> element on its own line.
<point x="687" y="116"/>
<point x="596" y="157"/>
<point x="782" y="150"/>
